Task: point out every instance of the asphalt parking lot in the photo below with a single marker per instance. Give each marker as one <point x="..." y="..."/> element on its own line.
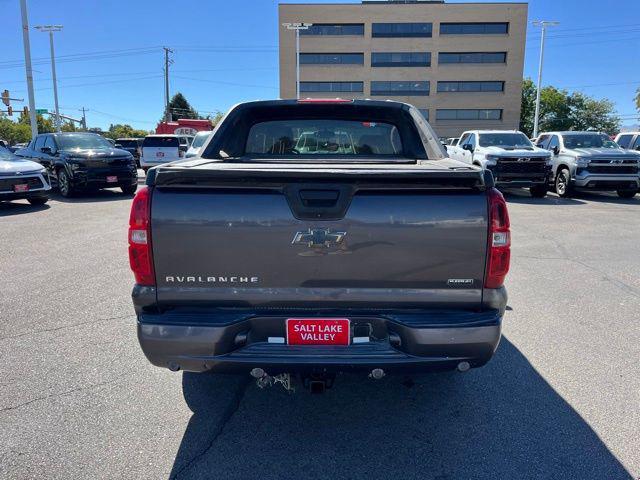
<point x="561" y="399"/>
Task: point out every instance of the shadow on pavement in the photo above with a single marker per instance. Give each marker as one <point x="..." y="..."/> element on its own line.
<point x="579" y="197"/>
<point x="522" y="196"/>
<point x="92" y="196"/>
<point x="18" y="208"/>
<point x="605" y="197"/>
<point x="501" y="421"/>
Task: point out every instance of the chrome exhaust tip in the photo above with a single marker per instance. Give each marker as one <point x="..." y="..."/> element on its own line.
<point x="377" y="373"/>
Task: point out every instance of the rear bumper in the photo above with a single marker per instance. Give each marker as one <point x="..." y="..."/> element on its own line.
<point x="237" y="341"/>
<point x="155" y="163"/>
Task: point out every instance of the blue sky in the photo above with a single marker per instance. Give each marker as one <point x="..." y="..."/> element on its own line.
<point x="110" y="60"/>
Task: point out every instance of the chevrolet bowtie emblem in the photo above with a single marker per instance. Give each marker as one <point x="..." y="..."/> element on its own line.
<point x="318" y="237"/>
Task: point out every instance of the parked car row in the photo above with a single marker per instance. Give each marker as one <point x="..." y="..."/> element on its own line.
<point x="22" y="179"/>
<point x="82" y="161"/>
<point x="76" y="161"/>
<point x="566" y="161"/>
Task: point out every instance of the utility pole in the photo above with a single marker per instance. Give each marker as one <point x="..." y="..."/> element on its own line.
<point x="167" y="62"/>
<point x="544" y="24"/>
<point x="27" y="66"/>
<point x="297" y="27"/>
<point x="50" y="29"/>
<point x="84" y="118"/>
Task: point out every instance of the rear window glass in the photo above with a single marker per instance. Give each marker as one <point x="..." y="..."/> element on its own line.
<point x="128" y="143"/>
<point x="591" y="140"/>
<point x="166" y="142"/>
<point x="323" y="137"/>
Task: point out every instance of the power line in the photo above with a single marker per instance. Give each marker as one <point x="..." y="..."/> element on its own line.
<point x="102" y="83"/>
<point x="126" y="119"/>
<point x="533" y="46"/>
<point x="636" y="82"/>
<point x="220" y="82"/>
<point x="593" y="28"/>
<point x="148" y="72"/>
<point x="87" y="54"/>
<point x="84" y="58"/>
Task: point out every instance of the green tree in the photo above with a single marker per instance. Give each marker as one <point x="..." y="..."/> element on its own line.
<point x="14" y="132"/>
<point x="124" y="131"/>
<point x="554" y="110"/>
<point x="560" y="110"/>
<point x="180" y="108"/>
<point x="587" y="113"/>
<point x="215" y="118"/>
<point x="69" y="127"/>
<point x="45" y="125"/>
<point x="528" y="108"/>
<point x="637" y="99"/>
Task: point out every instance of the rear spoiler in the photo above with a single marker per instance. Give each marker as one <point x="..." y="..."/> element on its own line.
<point x="224" y="175"/>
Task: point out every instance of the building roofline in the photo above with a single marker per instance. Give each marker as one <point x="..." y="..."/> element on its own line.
<point x="395" y="4"/>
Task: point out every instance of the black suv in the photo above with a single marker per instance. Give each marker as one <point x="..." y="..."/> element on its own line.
<point x="131" y="145"/>
<point x="82" y="161"/>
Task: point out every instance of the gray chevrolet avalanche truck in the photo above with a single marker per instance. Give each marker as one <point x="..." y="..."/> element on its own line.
<point x="318" y="236"/>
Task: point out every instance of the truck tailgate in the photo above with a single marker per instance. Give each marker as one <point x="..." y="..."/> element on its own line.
<point x="269" y="237"/>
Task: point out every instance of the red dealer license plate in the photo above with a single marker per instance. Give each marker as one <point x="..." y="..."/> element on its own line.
<point x="21" y="187"/>
<point x="112" y="179"/>
<point x="318" y="331"/>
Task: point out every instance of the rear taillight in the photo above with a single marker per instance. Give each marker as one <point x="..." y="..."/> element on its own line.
<point x="499" y="248"/>
<point x="140" y="257"/>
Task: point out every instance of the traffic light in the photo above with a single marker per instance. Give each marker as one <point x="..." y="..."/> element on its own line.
<point x="25" y="111"/>
<point x="10" y="110"/>
<point x="5" y="97"/>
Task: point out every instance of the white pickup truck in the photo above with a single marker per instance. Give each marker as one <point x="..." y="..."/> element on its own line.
<point x="509" y="155"/>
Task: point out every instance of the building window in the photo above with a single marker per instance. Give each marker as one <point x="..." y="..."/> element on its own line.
<point x="401" y="59"/>
<point x="474" y="86"/>
<point x="424" y="112"/>
<point x="402" y="30"/>
<point x="400" y="88"/>
<point x="468" y="114"/>
<point x="315" y="87"/>
<point x="472" y="57"/>
<point x="334" y="29"/>
<point x="332" y="59"/>
<point x="493" y="28"/>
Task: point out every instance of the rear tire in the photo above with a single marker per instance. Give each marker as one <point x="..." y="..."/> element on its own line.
<point x="38" y="200"/>
<point x="538" y="191"/>
<point x="627" y="193"/>
<point x="129" y="189"/>
<point x="563" y="183"/>
<point x="64" y="184"/>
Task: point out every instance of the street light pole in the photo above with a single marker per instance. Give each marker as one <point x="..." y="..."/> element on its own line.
<point x="29" y="71"/>
<point x="544" y="24"/>
<point x="51" y="29"/>
<point x="297" y="27"/>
